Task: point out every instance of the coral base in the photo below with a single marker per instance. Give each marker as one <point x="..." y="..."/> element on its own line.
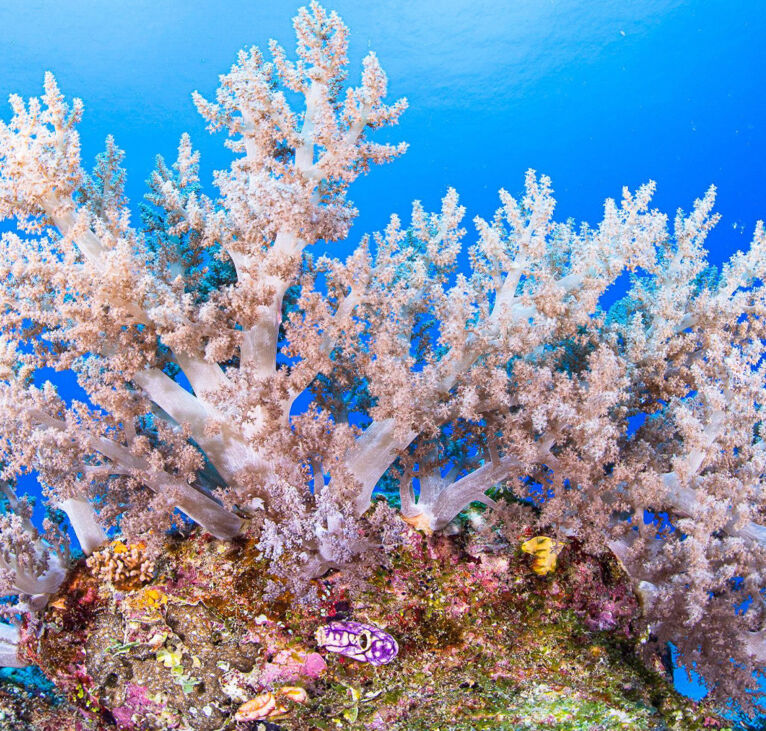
<point x="485" y="643"/>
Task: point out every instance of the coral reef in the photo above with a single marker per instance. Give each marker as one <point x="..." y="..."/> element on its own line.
<point x="485" y="642"/>
<point x="240" y="377"/>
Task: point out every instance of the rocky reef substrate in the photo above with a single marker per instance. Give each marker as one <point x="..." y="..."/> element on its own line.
<point x="484" y="642"/>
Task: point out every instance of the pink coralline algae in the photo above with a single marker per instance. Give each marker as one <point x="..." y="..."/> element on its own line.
<point x="137" y="702"/>
<point x="291" y="665"/>
<point x="602" y="609"/>
<point x="359" y="641"/>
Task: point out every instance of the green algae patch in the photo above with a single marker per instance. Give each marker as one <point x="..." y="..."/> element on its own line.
<point x="484" y="643"/>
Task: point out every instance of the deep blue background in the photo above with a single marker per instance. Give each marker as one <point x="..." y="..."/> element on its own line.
<point x="596" y="94"/>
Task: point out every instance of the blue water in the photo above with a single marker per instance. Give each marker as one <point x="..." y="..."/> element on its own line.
<point x="597" y="95"/>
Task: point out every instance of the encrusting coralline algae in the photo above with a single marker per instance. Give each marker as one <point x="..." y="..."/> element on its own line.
<point x="484" y="642"/>
<point x="441" y="387"/>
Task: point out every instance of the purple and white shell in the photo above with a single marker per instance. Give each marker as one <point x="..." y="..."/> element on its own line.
<point x="363" y="642"/>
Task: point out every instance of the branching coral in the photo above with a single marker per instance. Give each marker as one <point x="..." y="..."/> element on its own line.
<point x="450" y="386"/>
<point x="121" y="565"/>
<point x="32" y="567"/>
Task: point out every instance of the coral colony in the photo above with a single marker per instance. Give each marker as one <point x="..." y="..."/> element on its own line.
<point x="503" y="383"/>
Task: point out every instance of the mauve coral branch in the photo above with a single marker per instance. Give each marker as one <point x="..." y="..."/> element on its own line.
<point x="32" y="567"/>
<point x="274" y="190"/>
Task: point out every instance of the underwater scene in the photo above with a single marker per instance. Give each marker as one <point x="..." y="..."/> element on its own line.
<point x="382" y="366"/>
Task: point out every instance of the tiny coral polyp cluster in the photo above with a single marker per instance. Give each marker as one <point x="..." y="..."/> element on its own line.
<point x="122" y="565"/>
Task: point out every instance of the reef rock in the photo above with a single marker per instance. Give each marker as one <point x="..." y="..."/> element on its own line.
<point x="484" y="642"/>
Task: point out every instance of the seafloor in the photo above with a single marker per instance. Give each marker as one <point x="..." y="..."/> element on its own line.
<point x="484" y="643"/>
